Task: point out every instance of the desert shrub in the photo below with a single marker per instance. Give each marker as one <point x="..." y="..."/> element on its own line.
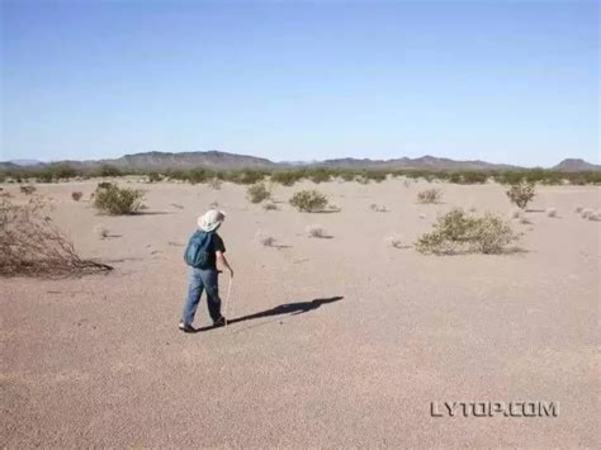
<point x="316" y="231"/>
<point x="264" y="239"/>
<point x="270" y="206"/>
<point x="521" y="194"/>
<point x="117" y="201"/>
<point x="458" y="232"/>
<point x="154" y="177"/>
<point x="516" y="213"/>
<point x="309" y="201"/>
<point x="107" y="171"/>
<point x="104" y="185"/>
<point x="595" y="216"/>
<point x="30" y="243"/>
<point x="395" y="240"/>
<point x="319" y="175"/>
<point x="468" y="177"/>
<point x="198" y="175"/>
<point x="246" y="176"/>
<point x="101" y="231"/>
<point x="27" y="189"/>
<point x="551" y="212"/>
<point x="258" y="192"/>
<point x="429" y="196"/>
<point x="63" y="171"/>
<point x="214" y="183"/>
<point x="287" y="177"/>
<point x="378" y="208"/>
<point x="76" y="195"/>
<point x="586" y="212"/>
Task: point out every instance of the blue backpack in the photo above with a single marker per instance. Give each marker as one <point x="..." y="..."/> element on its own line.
<point x="197" y="252"/>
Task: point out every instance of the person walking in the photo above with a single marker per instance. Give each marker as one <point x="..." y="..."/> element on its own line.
<point x="205" y="248"/>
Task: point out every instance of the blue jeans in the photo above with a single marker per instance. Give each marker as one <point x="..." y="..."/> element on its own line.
<point x="199" y="279"/>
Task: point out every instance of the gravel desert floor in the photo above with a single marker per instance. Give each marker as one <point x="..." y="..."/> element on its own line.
<point x="344" y="341"/>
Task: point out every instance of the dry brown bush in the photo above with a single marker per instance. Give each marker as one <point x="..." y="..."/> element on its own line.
<point x="28" y="189"/>
<point x="30" y="244"/>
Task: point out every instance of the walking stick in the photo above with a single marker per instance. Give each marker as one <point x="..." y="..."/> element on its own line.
<point x="227" y="299"/>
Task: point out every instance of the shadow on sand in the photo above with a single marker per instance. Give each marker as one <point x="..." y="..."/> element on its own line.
<point x="292" y="309"/>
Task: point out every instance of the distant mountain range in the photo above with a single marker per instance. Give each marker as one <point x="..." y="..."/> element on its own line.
<point x="222" y="160"/>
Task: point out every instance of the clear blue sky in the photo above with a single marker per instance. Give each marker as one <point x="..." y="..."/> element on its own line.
<point x="505" y="81"/>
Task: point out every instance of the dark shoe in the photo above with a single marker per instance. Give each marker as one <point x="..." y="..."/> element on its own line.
<point x="220" y="322"/>
<point x="186" y="328"/>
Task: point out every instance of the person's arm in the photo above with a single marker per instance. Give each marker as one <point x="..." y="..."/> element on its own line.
<point x="223" y="260"/>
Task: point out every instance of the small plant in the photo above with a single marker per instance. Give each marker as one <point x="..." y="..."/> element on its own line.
<point x="270" y="206"/>
<point x="586" y="212"/>
<point x="104" y="185"/>
<point x="595" y="216"/>
<point x="118" y="201"/>
<point x="264" y="239"/>
<point x="309" y="201"/>
<point x="551" y="212"/>
<point x="395" y="240"/>
<point x="101" y="231"/>
<point x="378" y="208"/>
<point x="429" y="196"/>
<point x="258" y="192"/>
<point x="27" y="189"/>
<point x="316" y="231"/>
<point x="154" y="177"/>
<point x="76" y="195"/>
<point x="214" y="183"/>
<point x="578" y="209"/>
<point x="521" y="194"/>
<point x="516" y="213"/>
<point x="458" y="232"/>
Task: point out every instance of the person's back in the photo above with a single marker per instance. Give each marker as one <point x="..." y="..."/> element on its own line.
<point x="205" y="247"/>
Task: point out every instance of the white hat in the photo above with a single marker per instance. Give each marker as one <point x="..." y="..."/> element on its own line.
<point x="211" y="220"/>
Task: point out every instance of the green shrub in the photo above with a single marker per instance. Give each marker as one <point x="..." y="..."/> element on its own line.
<point x="429" y="196"/>
<point x="521" y="194"/>
<point x="309" y="201"/>
<point x="104" y="185"/>
<point x="117" y="201"/>
<point x="154" y="177"/>
<point x="258" y="192"/>
<point x="457" y="232"/>
<point x="246" y="176"/>
<point x="319" y="175"/>
<point x="287" y="177"/>
<point x="108" y="171"/>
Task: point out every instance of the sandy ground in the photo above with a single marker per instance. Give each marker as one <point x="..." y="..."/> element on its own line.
<point x="99" y="360"/>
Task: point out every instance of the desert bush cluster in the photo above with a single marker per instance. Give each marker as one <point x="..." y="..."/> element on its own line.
<point x="309" y="201"/>
<point x="429" y="196"/>
<point x="30" y="243"/>
<point x="111" y="199"/>
<point x="459" y="232"/>
<point x="589" y="214"/>
<point x="28" y="189"/>
<point x="521" y="194"/>
<point x="258" y="192"/>
<point x="317" y="174"/>
<point x="316" y="231"/>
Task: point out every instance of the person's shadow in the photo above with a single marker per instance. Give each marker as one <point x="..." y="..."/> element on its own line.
<point x="292" y="309"/>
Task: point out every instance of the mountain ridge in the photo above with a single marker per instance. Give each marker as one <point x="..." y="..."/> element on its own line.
<point x="215" y="159"/>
